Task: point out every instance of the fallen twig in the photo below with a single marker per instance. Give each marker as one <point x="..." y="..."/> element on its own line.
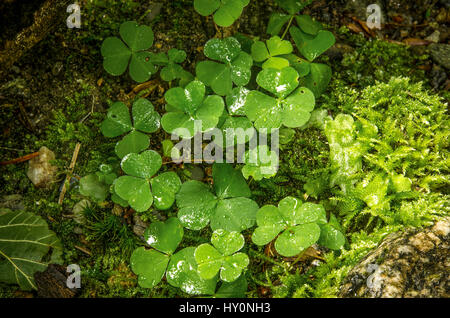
<point x="20" y="159"/>
<point x="71" y="167"/>
<point x="84" y="250"/>
<point x="90" y="113"/>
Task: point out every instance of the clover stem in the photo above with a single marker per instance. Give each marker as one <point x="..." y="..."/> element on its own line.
<point x="265" y="258"/>
<point x="287" y="28"/>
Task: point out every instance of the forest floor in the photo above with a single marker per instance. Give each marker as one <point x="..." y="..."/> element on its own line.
<point x="58" y="93"/>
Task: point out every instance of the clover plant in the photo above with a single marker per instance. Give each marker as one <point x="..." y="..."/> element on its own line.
<point x="225" y="11"/>
<point x="130" y="51"/>
<point x="290" y="105"/>
<point x="234" y="65"/>
<point x="97" y="185"/>
<point x="229" y="208"/>
<point x="171" y="69"/>
<point x="312" y="41"/>
<point x="180" y="268"/>
<point x="278" y="19"/>
<point x="222" y="256"/>
<point x="288" y="86"/>
<point x="260" y="162"/>
<point x="235" y="289"/>
<point x="234" y="117"/>
<point x="138" y="187"/>
<point x="300" y="224"/>
<point x="188" y="105"/>
<point x="118" y="122"/>
<point x="270" y="52"/>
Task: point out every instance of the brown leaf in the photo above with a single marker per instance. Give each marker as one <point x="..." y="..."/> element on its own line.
<point x="416" y="42"/>
<point x="354" y="28"/>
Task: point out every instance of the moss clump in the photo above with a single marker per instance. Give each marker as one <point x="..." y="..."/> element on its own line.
<point x="405" y="116"/>
<point x="376" y="60"/>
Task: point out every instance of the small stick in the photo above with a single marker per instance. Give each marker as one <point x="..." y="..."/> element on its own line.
<point x="84" y="250"/>
<point x="90" y="113"/>
<point x="71" y="167"/>
<point x="21" y="159"/>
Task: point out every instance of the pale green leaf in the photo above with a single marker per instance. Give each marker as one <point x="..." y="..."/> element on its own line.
<point x="182" y="272"/>
<point x="149" y="265"/>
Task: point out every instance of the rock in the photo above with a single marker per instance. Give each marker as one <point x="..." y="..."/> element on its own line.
<point x="117" y="210"/>
<point x="78" y="208"/>
<point x="12" y="202"/>
<point x="139" y="226"/>
<point x="40" y="171"/>
<point x="413" y="263"/>
<point x="434" y="37"/>
<point x="441" y="54"/>
<point x="438" y="76"/>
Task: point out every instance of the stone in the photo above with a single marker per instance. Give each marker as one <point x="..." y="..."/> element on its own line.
<point x="78" y="208"/>
<point x="434" y="37"/>
<point x="413" y="263"/>
<point x="441" y="54"/>
<point x="117" y="210"/>
<point x="139" y="226"/>
<point x="12" y="202"/>
<point x="40" y="171"/>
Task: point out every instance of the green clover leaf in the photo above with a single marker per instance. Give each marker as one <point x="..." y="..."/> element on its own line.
<point x="236" y="101"/>
<point x="135" y="186"/>
<point x="331" y="234"/>
<point x="231" y="125"/>
<point x="308" y="25"/>
<point x="230" y="209"/>
<point x="225" y="11"/>
<point x="291" y="6"/>
<point x="260" y="162"/>
<point x="222" y="256"/>
<point x="188" y="105"/>
<point x="276" y="22"/>
<point x="292" y="106"/>
<point x="235" y="289"/>
<point x="234" y="120"/>
<point x="234" y="67"/>
<point x="164" y="187"/>
<point x="92" y="187"/>
<point x="164" y="236"/>
<point x="118" y="122"/>
<point x="182" y="272"/>
<point x="269" y="53"/>
<point x="172" y="70"/>
<point x="298" y="223"/>
<point x="130" y="51"/>
<point x="180" y="268"/>
<point x="318" y="78"/>
<point x="97" y="185"/>
<point x="149" y="265"/>
<point x="302" y="66"/>
<point x="312" y="46"/>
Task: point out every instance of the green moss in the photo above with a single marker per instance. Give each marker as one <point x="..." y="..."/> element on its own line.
<point x="376" y="60"/>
